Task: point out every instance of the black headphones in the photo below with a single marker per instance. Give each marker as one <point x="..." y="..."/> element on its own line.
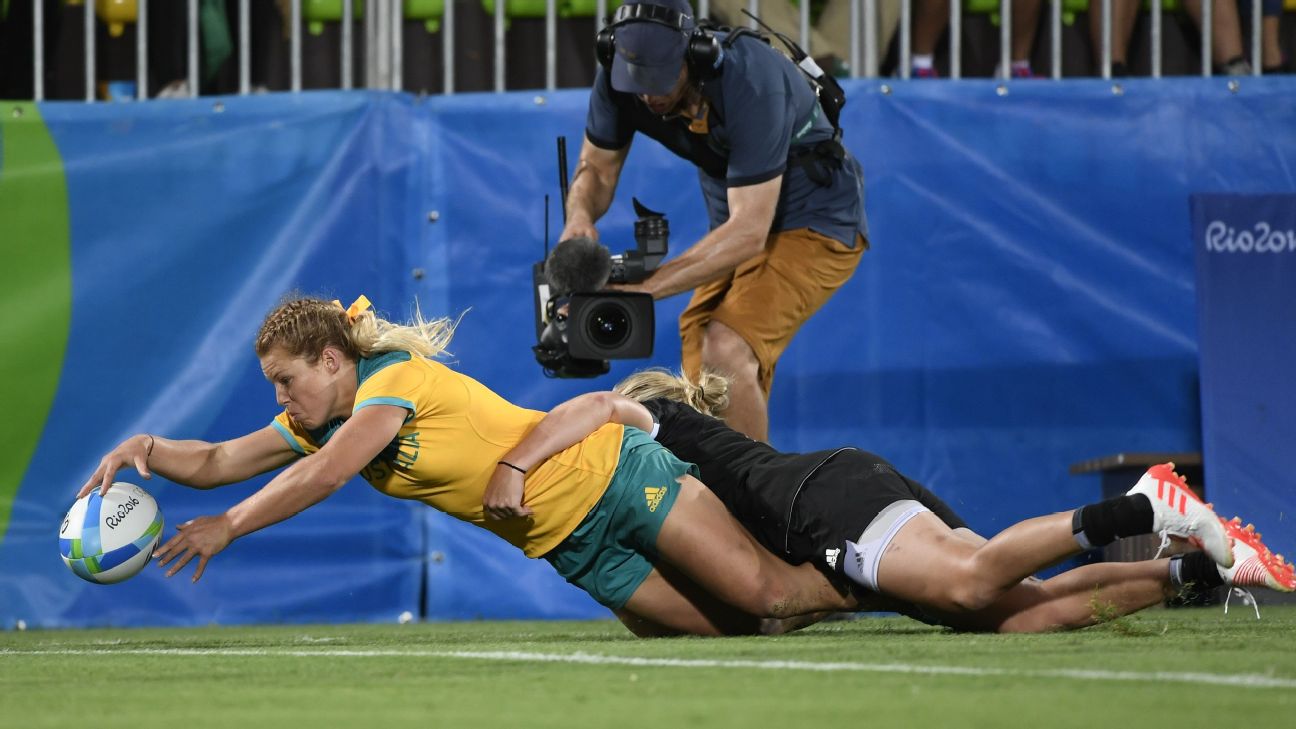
<point x="701" y="55"/>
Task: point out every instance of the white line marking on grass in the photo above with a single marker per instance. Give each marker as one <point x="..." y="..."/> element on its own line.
<point x="1240" y="680"/>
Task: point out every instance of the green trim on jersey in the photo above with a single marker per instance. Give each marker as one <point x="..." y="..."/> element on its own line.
<point x="368" y="367"/>
<point x="35" y="286"/>
<point x="292" y="441"/>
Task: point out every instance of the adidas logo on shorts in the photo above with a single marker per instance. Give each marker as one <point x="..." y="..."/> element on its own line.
<point x="831" y="556"/>
<point x="654" y="496"/>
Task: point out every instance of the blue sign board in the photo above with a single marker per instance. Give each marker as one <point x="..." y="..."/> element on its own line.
<point x="1246" y="294"/>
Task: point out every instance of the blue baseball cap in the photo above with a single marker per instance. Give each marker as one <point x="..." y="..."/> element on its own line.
<point x="650" y="52"/>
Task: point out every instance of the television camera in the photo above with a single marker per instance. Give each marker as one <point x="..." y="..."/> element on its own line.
<point x="579" y="325"/>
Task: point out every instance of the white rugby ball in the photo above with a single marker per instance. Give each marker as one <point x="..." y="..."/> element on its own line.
<point x="110" y="538"/>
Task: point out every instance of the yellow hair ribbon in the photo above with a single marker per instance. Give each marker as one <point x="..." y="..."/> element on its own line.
<point x="358" y="307"/>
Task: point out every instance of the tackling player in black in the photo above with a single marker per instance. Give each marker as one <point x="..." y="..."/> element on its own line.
<point x="853" y="515"/>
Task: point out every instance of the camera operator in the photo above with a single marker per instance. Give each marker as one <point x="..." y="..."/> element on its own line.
<point x="785" y="199"/>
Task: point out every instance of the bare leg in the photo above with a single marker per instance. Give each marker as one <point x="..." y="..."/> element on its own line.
<point x="1271" y="45"/>
<point x="1226" y="28"/>
<point x="668" y="603"/>
<point x="1075" y="599"/>
<point x="774" y="626"/>
<point x="987" y="586"/>
<point x="706" y="544"/>
<point x="929" y="564"/>
<point x="1025" y="21"/>
<point x="1095" y="593"/>
<point x="677" y="606"/>
<point x="1124" y="15"/>
<point x="929" y="22"/>
<point x="725" y="351"/>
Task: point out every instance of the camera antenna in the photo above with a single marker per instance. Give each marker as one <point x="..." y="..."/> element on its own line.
<point x="562" y="173"/>
<point x="797" y="52"/>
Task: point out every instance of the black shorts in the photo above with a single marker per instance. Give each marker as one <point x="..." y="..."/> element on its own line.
<point x="841" y="498"/>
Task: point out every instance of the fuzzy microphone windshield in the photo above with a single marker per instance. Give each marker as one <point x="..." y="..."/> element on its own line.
<point x="578" y="265"/>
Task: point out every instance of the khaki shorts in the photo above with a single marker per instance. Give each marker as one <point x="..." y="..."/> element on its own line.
<point x="767" y="299"/>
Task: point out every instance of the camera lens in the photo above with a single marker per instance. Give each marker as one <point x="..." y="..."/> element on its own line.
<point x="608" y="325"/>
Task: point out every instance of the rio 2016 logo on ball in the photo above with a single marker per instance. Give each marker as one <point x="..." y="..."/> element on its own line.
<point x="110" y="538"/>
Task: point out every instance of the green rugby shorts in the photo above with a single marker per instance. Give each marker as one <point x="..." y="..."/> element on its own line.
<point x="613" y="549"/>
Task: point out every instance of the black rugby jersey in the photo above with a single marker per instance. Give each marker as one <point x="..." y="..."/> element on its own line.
<point x="757" y="483"/>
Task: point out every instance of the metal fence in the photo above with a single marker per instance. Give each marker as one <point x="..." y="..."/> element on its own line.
<point x="384" y="63"/>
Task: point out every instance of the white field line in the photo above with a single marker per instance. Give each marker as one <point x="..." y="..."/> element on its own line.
<point x="1241" y="680"/>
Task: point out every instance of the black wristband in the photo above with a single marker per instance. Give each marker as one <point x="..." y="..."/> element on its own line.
<point x="515" y="468"/>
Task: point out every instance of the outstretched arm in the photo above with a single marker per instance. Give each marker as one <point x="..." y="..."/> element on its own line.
<point x="564" y="427"/>
<point x="305" y="483"/>
<point x="193" y="463"/>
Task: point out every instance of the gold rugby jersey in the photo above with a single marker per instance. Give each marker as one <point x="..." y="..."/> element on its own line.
<point x="455" y="432"/>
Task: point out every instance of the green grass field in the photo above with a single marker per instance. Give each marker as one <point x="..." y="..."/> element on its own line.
<point x="1162" y="668"/>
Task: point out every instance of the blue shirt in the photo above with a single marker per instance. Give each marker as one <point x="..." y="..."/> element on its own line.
<point x="762" y="109"/>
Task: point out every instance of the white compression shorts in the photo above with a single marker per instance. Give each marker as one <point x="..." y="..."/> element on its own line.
<point x="864" y="555"/>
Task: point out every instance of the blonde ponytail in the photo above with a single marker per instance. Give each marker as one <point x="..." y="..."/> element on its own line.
<point x="372" y="335"/>
<point x="709" y="396"/>
<point x="303" y="326"/>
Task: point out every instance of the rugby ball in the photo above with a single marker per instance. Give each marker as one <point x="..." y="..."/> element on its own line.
<point x="110" y="538"/>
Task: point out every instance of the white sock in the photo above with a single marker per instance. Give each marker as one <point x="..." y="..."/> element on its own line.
<point x="921" y="62"/>
<point x="1176" y="570"/>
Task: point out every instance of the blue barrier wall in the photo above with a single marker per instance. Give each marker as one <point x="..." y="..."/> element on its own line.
<point x="1246" y="302"/>
<point x="1028" y="303"/>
